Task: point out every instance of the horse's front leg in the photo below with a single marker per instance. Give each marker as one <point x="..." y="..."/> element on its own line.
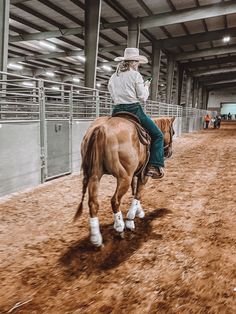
<point x="136" y="209"/>
<point x="95" y="234"/>
<point x="123" y="184"/>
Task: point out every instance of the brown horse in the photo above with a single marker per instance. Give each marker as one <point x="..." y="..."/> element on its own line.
<point x="112" y="146"/>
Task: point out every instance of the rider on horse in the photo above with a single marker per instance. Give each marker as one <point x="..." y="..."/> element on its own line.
<point x="128" y="89"/>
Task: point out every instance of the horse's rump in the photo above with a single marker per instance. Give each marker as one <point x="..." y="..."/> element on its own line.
<point x="111" y="145"/>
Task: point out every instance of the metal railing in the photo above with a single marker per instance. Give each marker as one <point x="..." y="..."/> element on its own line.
<point x="21" y="98"/>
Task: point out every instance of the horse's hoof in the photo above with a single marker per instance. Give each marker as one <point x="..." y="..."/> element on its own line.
<point x="129" y="224"/>
<point x="96" y="240"/>
<point x="122" y="235"/>
<point x="119" y="226"/>
<point x="140" y="213"/>
<point x="119" y="229"/>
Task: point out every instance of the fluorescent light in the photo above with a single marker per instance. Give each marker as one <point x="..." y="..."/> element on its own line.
<point x="81" y="58"/>
<point x="226" y="39"/>
<point x="47" y="45"/>
<point x="55" y="88"/>
<point x="161" y="84"/>
<point x="77" y="91"/>
<point x="98" y="84"/>
<point x="15" y="66"/>
<point x="76" y="79"/>
<point x="29" y="84"/>
<point x="51" y="74"/>
<point x="107" y="67"/>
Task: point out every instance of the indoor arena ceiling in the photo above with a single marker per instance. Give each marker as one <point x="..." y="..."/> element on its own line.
<point x="190" y="30"/>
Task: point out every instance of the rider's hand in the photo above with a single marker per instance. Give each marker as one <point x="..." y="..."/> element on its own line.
<point x="147" y="84"/>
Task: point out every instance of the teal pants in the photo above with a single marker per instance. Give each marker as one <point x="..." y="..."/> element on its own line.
<point x="157" y="151"/>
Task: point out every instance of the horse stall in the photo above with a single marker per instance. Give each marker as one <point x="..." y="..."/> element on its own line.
<point x="180" y="257"/>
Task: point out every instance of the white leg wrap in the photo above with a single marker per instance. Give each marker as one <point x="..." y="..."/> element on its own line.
<point x="135" y="210"/>
<point x="119" y="222"/>
<point x="129" y="224"/>
<point x="95" y="234"/>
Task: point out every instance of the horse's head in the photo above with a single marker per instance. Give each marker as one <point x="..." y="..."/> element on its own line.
<point x="166" y="126"/>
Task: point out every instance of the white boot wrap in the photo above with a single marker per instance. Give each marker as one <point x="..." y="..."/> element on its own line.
<point x="135" y="210"/>
<point x="95" y="234"/>
<point x="119" y="222"/>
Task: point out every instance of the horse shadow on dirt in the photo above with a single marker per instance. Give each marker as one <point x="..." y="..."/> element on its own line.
<point x="83" y="258"/>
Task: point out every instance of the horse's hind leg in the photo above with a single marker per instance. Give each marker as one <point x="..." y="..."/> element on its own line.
<point x="95" y="234"/>
<point x="123" y="184"/>
<point x="136" y="209"/>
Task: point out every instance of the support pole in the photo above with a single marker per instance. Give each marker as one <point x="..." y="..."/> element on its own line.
<point x="205" y="95"/>
<point x="92" y="27"/>
<point x="179" y="83"/>
<point x="199" y="96"/>
<point x="133" y="34"/>
<point x="4" y="33"/>
<point x="195" y="92"/>
<point x="188" y="90"/>
<point x="156" y="61"/>
<point x="170" y="78"/>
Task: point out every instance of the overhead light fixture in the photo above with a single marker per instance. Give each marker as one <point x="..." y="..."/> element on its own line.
<point x="55" y="88"/>
<point x="28" y="84"/>
<point x="98" y="84"/>
<point x="107" y="67"/>
<point x="162" y="85"/>
<point x="81" y="58"/>
<point x="77" y="91"/>
<point x="51" y="74"/>
<point x="226" y="39"/>
<point x="47" y="45"/>
<point x="15" y="66"/>
<point x="76" y="79"/>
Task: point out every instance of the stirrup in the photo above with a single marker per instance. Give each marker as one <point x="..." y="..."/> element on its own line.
<point x="155" y="172"/>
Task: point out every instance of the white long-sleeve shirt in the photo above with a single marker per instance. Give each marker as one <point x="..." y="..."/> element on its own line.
<point x="128" y="87"/>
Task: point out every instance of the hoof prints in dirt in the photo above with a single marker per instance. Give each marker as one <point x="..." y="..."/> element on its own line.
<point x="82" y="257"/>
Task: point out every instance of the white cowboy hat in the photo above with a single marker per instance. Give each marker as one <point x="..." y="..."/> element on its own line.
<point x="132" y="54"/>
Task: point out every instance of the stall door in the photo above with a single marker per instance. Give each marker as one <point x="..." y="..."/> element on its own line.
<point x="58" y="148"/>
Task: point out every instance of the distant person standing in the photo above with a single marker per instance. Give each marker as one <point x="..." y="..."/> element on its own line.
<point x="207" y="120"/>
<point x="229" y="116"/>
<point x="218" y="122"/>
<point x="214" y="121"/>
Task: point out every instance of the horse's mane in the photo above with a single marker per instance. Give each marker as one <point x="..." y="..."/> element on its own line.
<point x="163" y="123"/>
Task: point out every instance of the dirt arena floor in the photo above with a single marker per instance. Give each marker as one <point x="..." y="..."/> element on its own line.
<point x="180" y="259"/>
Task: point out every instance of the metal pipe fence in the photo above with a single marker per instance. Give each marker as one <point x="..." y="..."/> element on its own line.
<point x="42" y="124"/>
<point x="20" y="100"/>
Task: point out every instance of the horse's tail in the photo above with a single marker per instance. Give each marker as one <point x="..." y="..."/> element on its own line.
<point x="91" y="161"/>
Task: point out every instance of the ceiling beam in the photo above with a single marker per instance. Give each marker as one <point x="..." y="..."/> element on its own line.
<point x="195" y="38"/>
<point x="217" y="77"/>
<point x="214" y="71"/>
<point x="122" y="47"/>
<point x="46" y="35"/>
<point x="71" y="53"/>
<point x="116" y="6"/>
<point x="181" y="40"/>
<point x="180" y="16"/>
<point x="207" y="62"/>
<point x="18" y="1"/>
<point x="206" y="53"/>
<point x="221" y="86"/>
<point x="220" y="82"/>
